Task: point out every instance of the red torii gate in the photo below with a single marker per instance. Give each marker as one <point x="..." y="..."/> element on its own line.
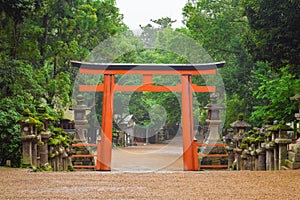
<point x="104" y="147"/>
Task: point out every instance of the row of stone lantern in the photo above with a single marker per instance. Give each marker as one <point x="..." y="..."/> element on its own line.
<point x="293" y="161"/>
<point x="36" y="149"/>
<point x="264" y="148"/>
<point x="33" y="135"/>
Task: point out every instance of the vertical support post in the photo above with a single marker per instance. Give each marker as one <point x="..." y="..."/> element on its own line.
<point x="195" y="155"/>
<point x="100" y="149"/>
<point x="147" y="135"/>
<point x="187" y="123"/>
<point x="98" y="165"/>
<point x="105" y="145"/>
<point x="34" y="153"/>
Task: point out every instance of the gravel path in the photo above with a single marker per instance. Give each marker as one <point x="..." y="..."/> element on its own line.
<point x="154" y="157"/>
<point x="21" y="184"/>
<point x="141" y="180"/>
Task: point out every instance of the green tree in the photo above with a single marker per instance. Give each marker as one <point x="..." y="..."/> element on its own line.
<point x="13" y="14"/>
<point x="220" y="27"/>
<point x="19" y="91"/>
<point x="273" y="92"/>
<point x="37" y="41"/>
<point x="164" y="22"/>
<point x="274" y="36"/>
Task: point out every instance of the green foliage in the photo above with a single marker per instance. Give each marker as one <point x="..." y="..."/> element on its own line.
<point x="220" y="27"/>
<point x="59" y="137"/>
<point x="19" y="91"/>
<point x="249" y="140"/>
<point x="9" y="131"/>
<point x="164" y="22"/>
<point x="280" y="127"/>
<point x="32" y="121"/>
<point x="235" y="105"/>
<point x="259" y="139"/>
<point x="151" y="109"/>
<point x="37" y="41"/>
<point x="273" y="92"/>
<point x="274" y="33"/>
<point x="42" y="168"/>
<point x="70" y="168"/>
<point x="243" y="146"/>
<point x="268" y="134"/>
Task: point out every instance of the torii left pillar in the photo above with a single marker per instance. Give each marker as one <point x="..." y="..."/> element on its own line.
<point x="104" y="152"/>
<point x="190" y="155"/>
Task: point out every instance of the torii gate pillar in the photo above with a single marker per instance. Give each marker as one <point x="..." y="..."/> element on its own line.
<point x="190" y="163"/>
<point x="104" y="151"/>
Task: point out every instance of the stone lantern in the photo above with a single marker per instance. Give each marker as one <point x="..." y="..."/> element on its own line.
<point x="213" y="120"/>
<point x="229" y="138"/>
<point x="239" y="130"/>
<point x="80" y="112"/>
<point x="280" y="137"/>
<point x="297" y="115"/>
<point x="214" y="134"/>
<point x="240" y="126"/>
<point x="45" y="134"/>
<point x="297" y="98"/>
<point x="293" y="161"/>
<point x="29" y="138"/>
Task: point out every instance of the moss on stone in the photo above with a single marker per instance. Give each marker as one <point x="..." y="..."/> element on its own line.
<point x="280" y="127"/>
<point x="243" y="146"/>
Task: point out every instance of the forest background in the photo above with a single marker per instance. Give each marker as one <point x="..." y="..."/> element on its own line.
<point x="258" y="39"/>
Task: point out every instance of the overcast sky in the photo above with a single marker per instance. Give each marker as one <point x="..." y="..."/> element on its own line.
<point x="139" y="12"/>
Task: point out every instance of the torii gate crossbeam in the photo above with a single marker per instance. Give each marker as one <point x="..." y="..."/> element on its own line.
<point x="104" y="147"/>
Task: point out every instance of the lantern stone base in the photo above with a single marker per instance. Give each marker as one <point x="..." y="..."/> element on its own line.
<point x="294" y="157"/>
<point x="27" y="146"/>
<point x="293" y="161"/>
<point x="79" y="158"/>
<point x="292" y="165"/>
<point x="214" y="160"/>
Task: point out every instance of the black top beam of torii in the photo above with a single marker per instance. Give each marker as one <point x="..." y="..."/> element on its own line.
<point x="124" y="68"/>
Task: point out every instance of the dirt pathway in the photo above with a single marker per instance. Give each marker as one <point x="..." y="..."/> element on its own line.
<point x="135" y="175"/>
<point x="151" y="157"/>
<point x="22" y="184"/>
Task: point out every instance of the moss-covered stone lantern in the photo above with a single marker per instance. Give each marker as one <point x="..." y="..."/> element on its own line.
<point x="44" y="117"/>
<point x="29" y="137"/>
<point x="240" y="126"/>
<point x="279" y="131"/>
<point x="297" y="98"/>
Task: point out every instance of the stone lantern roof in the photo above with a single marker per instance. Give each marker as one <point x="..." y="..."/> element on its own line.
<point x="213" y="105"/>
<point x="240" y="123"/>
<point x="80" y="103"/>
<point x="280" y="127"/>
